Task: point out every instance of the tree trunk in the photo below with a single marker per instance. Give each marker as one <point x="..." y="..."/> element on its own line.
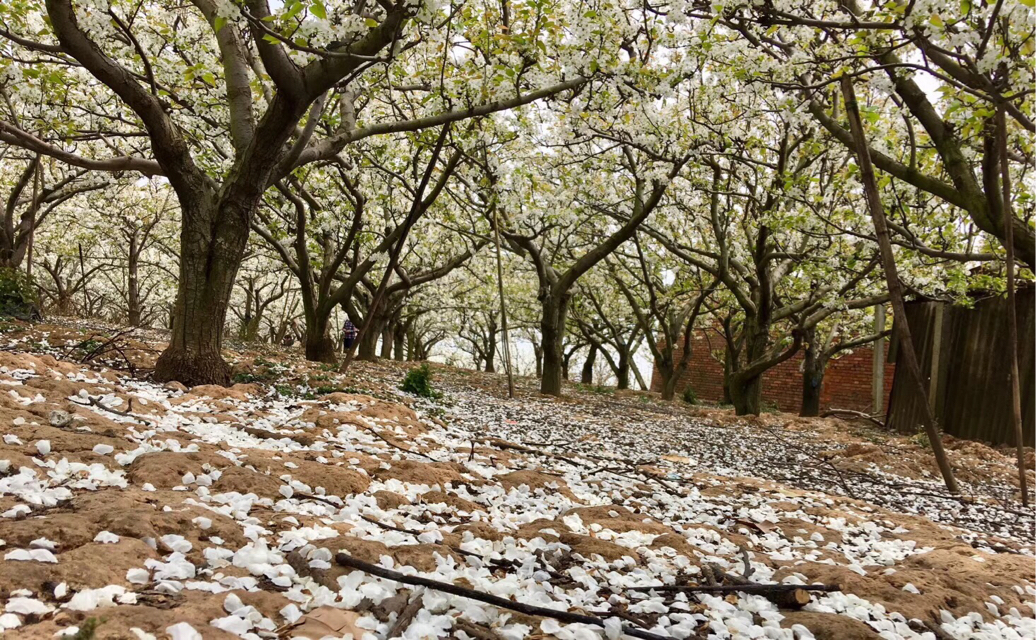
<point x="411" y="344"/>
<point x="133" y="283"/>
<point x="677" y="369"/>
<point x="812" y="384"/>
<point x="491" y="351"/>
<point x="728" y="373"/>
<point x="622" y="371"/>
<point x="387" y="338"/>
<point x="1012" y="306"/>
<point x="586" y="376"/>
<point x="746" y="394"/>
<point x="210" y="255"/>
<point x="537" y="352"/>
<point x="319" y="345"/>
<point x="64" y="304"/>
<point x="250" y="329"/>
<point x="813" y="365"/>
<point x="368" y="347"/>
<point x="670" y="378"/>
<point x="552" y="329"/>
<point x="907" y="356"/>
<point x="746" y="390"/>
<point x="399" y="338"/>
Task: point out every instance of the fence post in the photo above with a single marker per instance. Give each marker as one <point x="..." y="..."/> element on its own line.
<point x="878" y="366"/>
<point x="933" y="380"/>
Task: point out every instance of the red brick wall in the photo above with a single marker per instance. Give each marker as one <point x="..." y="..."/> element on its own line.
<point x="847" y="382"/>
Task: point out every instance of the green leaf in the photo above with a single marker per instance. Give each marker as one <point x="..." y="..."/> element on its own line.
<point x="371" y="22"/>
<point x="218" y="23"/>
<point x="318" y="9"/>
<point x="293" y="10"/>
<point x="1028" y="3"/>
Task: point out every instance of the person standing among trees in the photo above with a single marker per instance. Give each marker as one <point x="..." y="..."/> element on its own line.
<point x="349" y="333"/>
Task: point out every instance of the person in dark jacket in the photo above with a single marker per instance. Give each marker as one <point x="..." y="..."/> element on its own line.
<point x="349" y="333"/>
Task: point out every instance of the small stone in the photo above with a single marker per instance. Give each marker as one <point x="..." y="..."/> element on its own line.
<point x="60" y="419"/>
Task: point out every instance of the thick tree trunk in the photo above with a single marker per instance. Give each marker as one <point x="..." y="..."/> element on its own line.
<point x="552" y="329"/>
<point x="812" y="383"/>
<point x="813" y="365"/>
<point x="411" y="345"/>
<point x="398" y="343"/>
<point x="491" y="352"/>
<point x="250" y="329"/>
<point x="677" y="370"/>
<point x="368" y="347"/>
<point x="622" y="371"/>
<point x="746" y="389"/>
<point x="387" y="338"/>
<point x="210" y="256"/>
<point x="64" y="306"/>
<point x="728" y="373"/>
<point x="746" y="394"/>
<point x="669" y="381"/>
<point x="586" y="376"/>
<point x="319" y="345"/>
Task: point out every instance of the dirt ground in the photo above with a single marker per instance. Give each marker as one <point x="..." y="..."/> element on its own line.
<point x="130" y="509"/>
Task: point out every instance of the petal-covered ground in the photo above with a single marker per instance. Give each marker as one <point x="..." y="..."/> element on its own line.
<point x="130" y="509"/>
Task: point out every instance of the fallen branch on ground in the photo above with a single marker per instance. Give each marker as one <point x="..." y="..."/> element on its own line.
<point x="415" y="452"/>
<point x="346" y="560"/>
<point x="406" y="616"/>
<point x="504" y="444"/>
<point x="96" y="402"/>
<point x="752" y="588"/>
<point x="787" y="596"/>
<point x="855" y="414"/>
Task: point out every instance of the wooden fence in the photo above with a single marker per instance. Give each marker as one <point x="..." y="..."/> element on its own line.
<point x="966" y="348"/>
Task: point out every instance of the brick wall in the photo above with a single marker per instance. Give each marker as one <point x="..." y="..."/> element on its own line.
<point x="847" y="382"/>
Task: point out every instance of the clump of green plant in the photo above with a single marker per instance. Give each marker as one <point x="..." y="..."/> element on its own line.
<point x="418" y="381"/>
<point x="922" y="440"/>
<point x="771" y="407"/>
<point x="88" y="629"/>
<point x="326" y="389"/>
<point x="689" y="396"/>
<point x="595" y="388"/>
<point x="18" y="298"/>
